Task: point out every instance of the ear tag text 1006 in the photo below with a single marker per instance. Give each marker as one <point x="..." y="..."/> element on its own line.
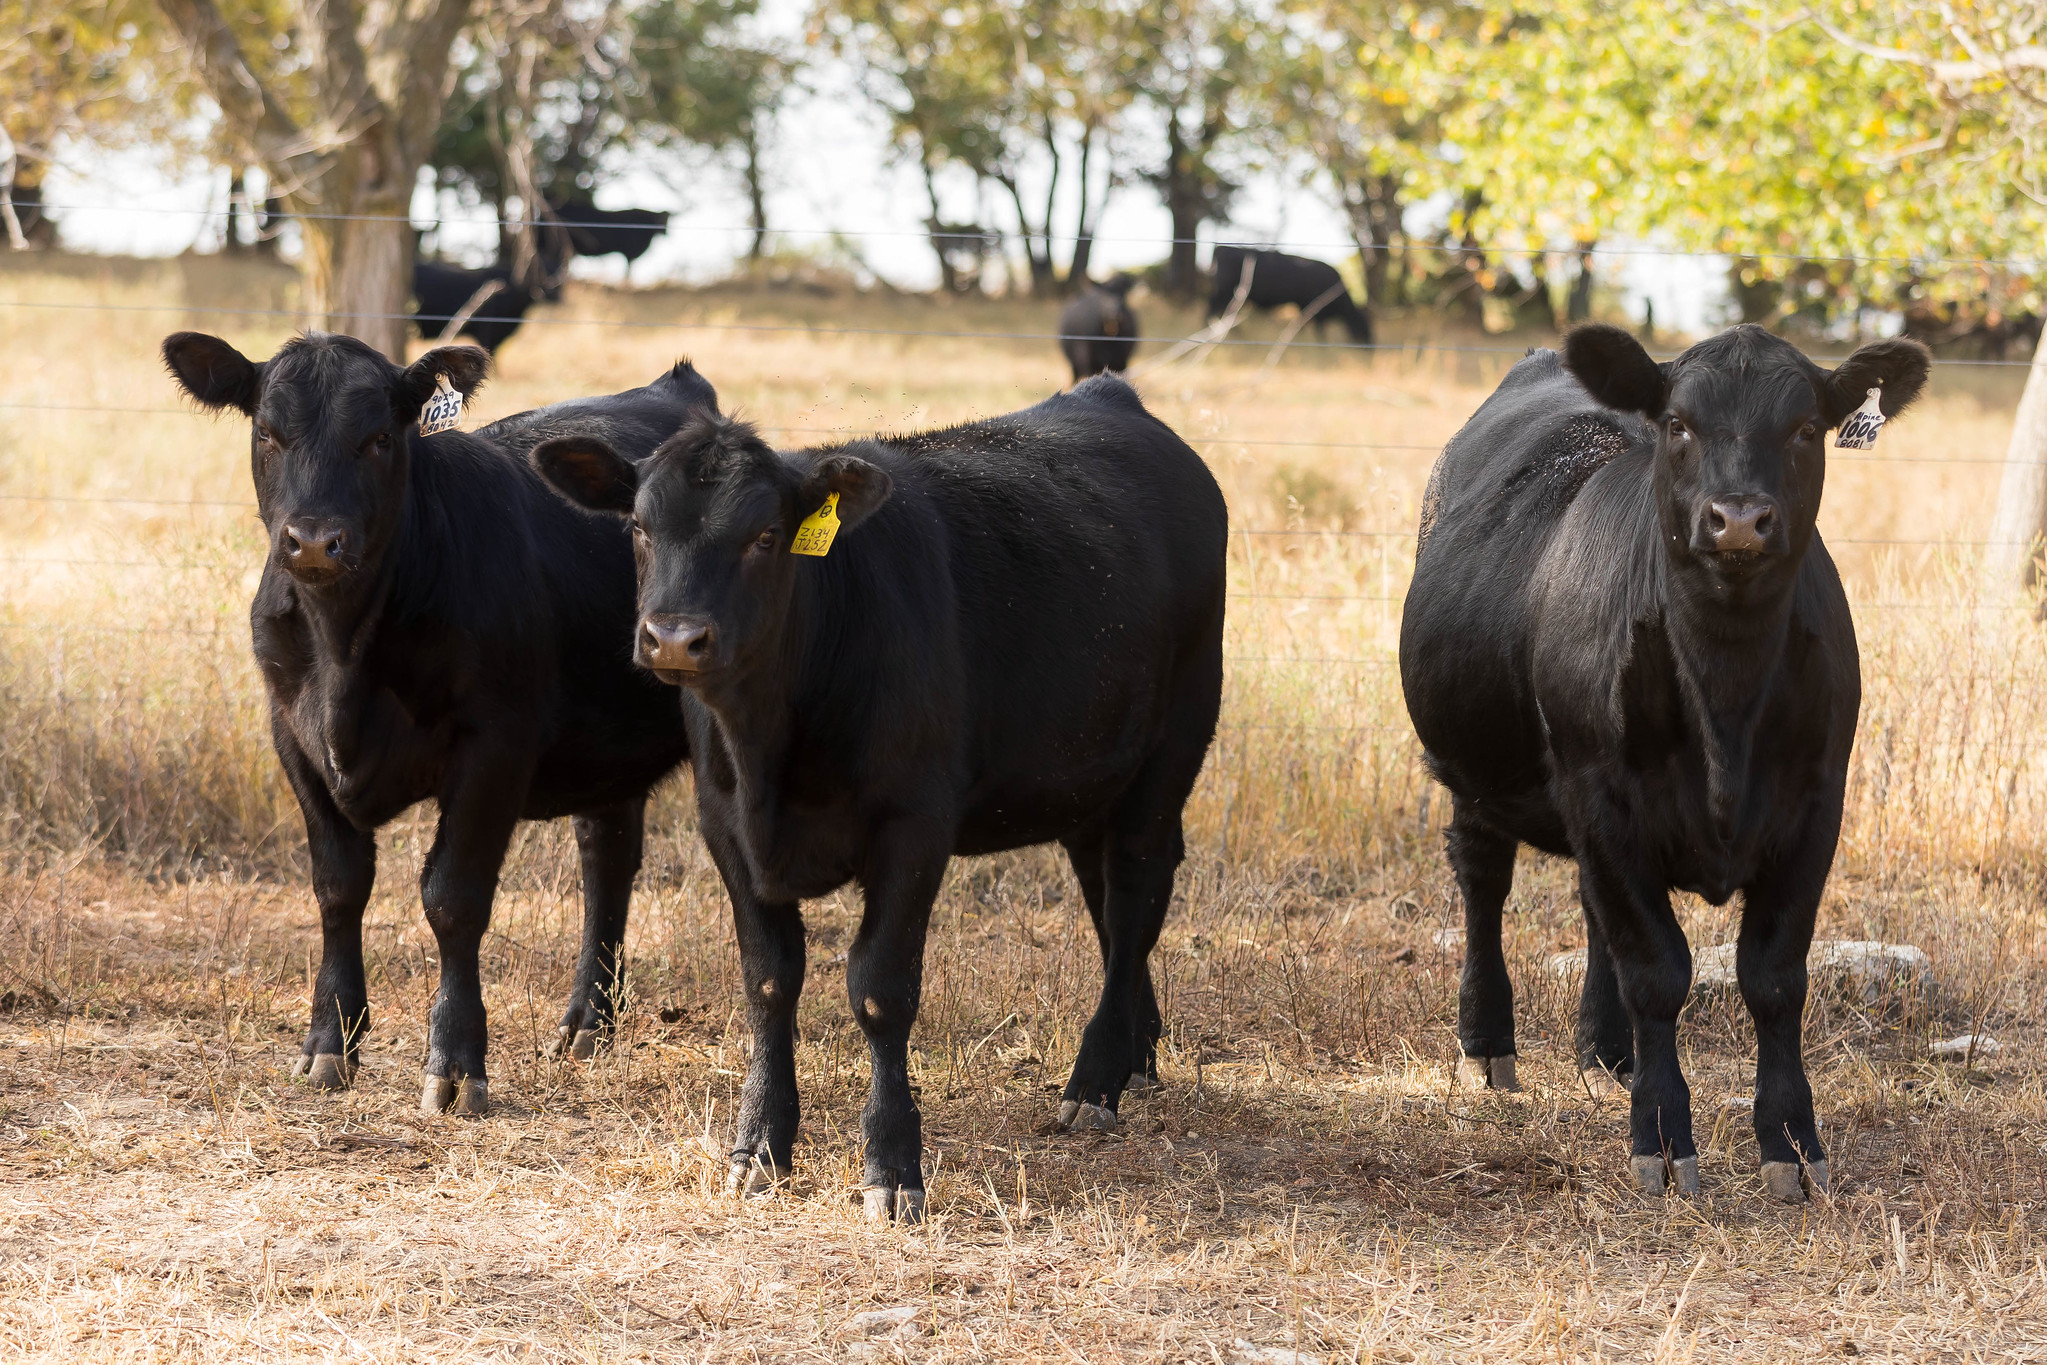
<point x="814" y="536"/>
<point x="1859" y="431"/>
<point x="443" y="412"/>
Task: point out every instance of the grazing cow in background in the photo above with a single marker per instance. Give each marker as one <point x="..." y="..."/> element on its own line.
<point x="602" y="232"/>
<point x="440" y="292"/>
<point x="432" y="621"/>
<point x="1015" y="637"/>
<point x="1626" y="644"/>
<point x="1097" y="331"/>
<point x="1278" y="279"/>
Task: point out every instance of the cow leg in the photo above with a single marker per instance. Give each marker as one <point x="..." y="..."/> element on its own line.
<point x="1606" y="1040"/>
<point x="479" y="809"/>
<point x="771" y="968"/>
<point x="344" y="869"/>
<point x="885" y="982"/>
<point x="1089" y="853"/>
<point x="1483" y="861"/>
<point x="610" y="842"/>
<point x="1653" y="967"/>
<point x="1777" y="915"/>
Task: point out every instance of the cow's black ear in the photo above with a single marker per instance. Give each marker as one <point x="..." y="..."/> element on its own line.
<point x="1615" y="369"/>
<point x="862" y="487"/>
<point x="588" y="473"/>
<point x="214" y="373"/>
<point x="1898" y="366"/>
<point x="465" y="367"/>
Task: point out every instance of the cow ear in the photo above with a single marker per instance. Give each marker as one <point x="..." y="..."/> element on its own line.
<point x="465" y="367"/>
<point x="1898" y="366"/>
<point x="862" y="487"/>
<point x="214" y="373"/>
<point x="588" y="473"/>
<point x="1615" y="369"/>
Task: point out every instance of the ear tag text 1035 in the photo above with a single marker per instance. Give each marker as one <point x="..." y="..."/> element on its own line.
<point x="814" y="536"/>
<point x="443" y="412"/>
<point x="1859" y="431"/>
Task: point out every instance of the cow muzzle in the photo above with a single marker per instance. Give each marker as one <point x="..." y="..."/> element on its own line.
<point x="1739" y="530"/>
<point x="317" y="549"/>
<point x="677" y="648"/>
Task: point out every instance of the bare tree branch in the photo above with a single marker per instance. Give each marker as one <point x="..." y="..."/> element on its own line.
<point x="428" y="43"/>
<point x="243" y="98"/>
<point x="2029" y="58"/>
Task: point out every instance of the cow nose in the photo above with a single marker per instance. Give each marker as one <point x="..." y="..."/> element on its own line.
<point x="315" y="547"/>
<point x="678" y="644"/>
<point x="1735" y="525"/>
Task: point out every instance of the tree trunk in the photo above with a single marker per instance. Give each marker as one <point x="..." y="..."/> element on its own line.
<point x="1083" y="230"/>
<point x="358" y="244"/>
<point x="756" y="196"/>
<point x="2011" y="561"/>
<point x="1184" y="202"/>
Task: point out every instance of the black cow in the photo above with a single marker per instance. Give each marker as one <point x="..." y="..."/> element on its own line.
<point x="1016" y="637"/>
<point x="1278" y="279"/>
<point x="433" y="622"/>
<point x="602" y="232"/>
<point x="440" y="291"/>
<point x="1626" y="644"/>
<point x="1098" y="331"/>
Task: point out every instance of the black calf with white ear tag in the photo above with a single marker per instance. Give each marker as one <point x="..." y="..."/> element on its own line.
<point x="588" y="473"/>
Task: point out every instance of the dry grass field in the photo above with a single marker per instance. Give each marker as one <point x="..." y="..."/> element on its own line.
<point x="1309" y="1184"/>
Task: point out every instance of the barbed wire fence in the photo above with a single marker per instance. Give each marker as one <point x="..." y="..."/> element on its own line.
<point x="1418" y="349"/>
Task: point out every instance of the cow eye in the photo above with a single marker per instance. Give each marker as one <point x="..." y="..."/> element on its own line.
<point x="1808" y="431"/>
<point x="381" y="443"/>
<point x="765" y="540"/>
<point x="1677" y="429"/>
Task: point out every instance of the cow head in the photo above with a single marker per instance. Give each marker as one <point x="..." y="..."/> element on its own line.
<point x="713" y="512"/>
<point x="332" y="422"/>
<point x="1741" y="423"/>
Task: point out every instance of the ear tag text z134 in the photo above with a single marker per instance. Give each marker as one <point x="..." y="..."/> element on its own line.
<point x="443" y="412"/>
<point x="1859" y="431"/>
<point x="814" y="536"/>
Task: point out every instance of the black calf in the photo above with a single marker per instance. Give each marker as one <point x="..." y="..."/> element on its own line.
<point x="433" y="622"/>
<point x="1278" y="279"/>
<point x="1625" y="644"/>
<point x="1016" y="636"/>
<point x="1098" y="331"/>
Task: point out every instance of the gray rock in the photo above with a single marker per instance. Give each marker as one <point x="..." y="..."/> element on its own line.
<point x="1860" y="968"/>
<point x="1962" y="1048"/>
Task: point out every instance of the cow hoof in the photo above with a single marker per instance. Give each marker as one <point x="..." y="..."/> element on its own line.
<point x="1488" y="1073"/>
<point x="1653" y="1173"/>
<point x="879" y="1203"/>
<point x="752" y="1177"/>
<point x="324" y="1071"/>
<point x="468" y="1099"/>
<point x="1075" y="1117"/>
<point x="1602" y="1084"/>
<point x="584" y="1045"/>
<point x="1787" y="1181"/>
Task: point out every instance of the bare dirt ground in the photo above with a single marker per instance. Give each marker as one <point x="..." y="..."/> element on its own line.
<point x="1309" y="1183"/>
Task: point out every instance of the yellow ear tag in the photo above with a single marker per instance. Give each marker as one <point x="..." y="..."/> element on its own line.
<point x="814" y="536"/>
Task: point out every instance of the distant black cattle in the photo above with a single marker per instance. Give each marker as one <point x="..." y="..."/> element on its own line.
<point x="440" y="292"/>
<point x="433" y="622"/>
<point x="1097" y="331"/>
<point x="1278" y="279"/>
<point x="1626" y="644"/>
<point x="1015" y="637"/>
<point x="602" y="232"/>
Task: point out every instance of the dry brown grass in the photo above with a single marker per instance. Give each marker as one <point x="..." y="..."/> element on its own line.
<point x="1309" y="1179"/>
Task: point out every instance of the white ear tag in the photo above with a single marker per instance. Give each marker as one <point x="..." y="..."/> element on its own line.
<point x="443" y="412"/>
<point x="1859" y="431"/>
